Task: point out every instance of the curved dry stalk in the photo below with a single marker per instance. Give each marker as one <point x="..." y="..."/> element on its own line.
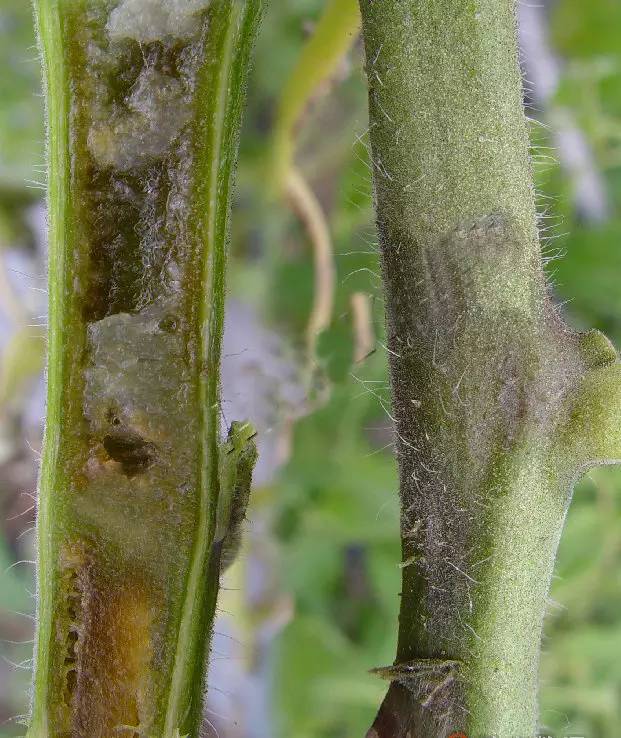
<point x="308" y="209"/>
<point x="318" y="61"/>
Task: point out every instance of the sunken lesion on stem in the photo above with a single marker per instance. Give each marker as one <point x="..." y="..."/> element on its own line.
<point x="143" y="103"/>
<point x="499" y="406"/>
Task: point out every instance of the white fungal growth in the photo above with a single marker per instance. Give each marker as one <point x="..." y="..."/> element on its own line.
<point x="137" y="379"/>
<point x="153" y="117"/>
<point x="152" y="20"/>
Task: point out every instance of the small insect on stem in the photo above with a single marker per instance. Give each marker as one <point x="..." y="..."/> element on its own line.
<point x="238" y="455"/>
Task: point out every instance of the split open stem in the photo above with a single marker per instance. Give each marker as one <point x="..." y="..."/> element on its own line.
<point x="143" y="104"/>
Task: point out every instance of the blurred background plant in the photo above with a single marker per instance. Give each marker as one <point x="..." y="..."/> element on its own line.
<point x="311" y="604"/>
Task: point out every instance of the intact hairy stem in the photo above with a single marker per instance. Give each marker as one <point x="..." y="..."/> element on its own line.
<point x="499" y="406"/>
<point x="143" y="103"/>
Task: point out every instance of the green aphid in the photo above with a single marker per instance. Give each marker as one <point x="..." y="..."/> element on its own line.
<point x="418" y="669"/>
<point x="238" y="455"/>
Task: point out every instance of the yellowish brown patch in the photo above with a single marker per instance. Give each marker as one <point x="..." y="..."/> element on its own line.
<point x="107" y="650"/>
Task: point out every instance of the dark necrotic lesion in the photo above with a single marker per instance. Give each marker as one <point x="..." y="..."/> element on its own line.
<point x="131" y="451"/>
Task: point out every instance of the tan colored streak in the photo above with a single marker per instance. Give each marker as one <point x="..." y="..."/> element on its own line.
<point x="364" y="337"/>
<point x="308" y="209"/>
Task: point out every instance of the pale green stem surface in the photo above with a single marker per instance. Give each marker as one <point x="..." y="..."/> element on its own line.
<point x="499" y="406"/>
<point x="144" y="106"/>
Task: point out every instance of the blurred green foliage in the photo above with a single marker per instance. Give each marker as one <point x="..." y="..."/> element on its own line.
<point x="581" y="674"/>
<point x="333" y="509"/>
<point x="21" y="124"/>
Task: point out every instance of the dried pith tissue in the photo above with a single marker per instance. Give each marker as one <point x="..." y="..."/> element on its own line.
<point x="72" y="568"/>
<point x="108" y="650"/>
